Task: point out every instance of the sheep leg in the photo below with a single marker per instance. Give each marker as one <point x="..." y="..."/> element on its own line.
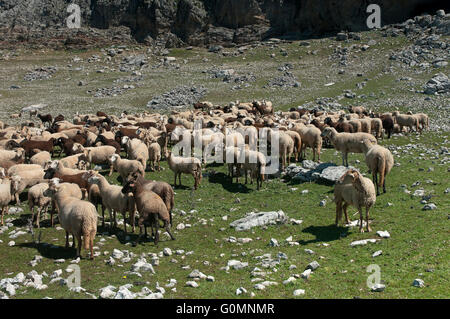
<point x="103" y="216"/>
<point x="141" y="226"/>
<point x="343" y="159"/>
<point x="67" y="239"/>
<point x="338" y="212"/>
<point x="367" y="220"/>
<point x="175" y="183"/>
<point x="32" y="214"/>
<point x="115" y="219"/>
<point x="156" y="231"/>
<point x="38" y="217"/>
<point x="384" y="185"/>
<point x="347" y="221"/>
<point x="375" y="180"/>
<point x="80" y="242"/>
<point x="125" y="222"/>
<point x="3" y="211"/>
<point x="111" y="170"/>
<point x="361" y="229"/>
<point x="167" y="227"/>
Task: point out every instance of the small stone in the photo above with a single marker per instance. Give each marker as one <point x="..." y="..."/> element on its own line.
<point x="192" y="284"/>
<point x="313" y="265"/>
<point x="377" y="253"/>
<point x="378" y="287"/>
<point x="383" y="234"/>
<point x="306" y="274"/>
<point x="419" y="283"/>
<point x="298" y="292"/>
<point x="167" y="252"/>
<point x="273" y="242"/>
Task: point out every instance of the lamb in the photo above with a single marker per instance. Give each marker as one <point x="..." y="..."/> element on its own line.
<point x="41" y="158"/>
<point x="151" y="208"/>
<point x="125" y="167"/>
<point x="113" y="199"/>
<point x="380" y="161"/>
<point x="136" y="150"/>
<point x="377" y="127"/>
<point x="162" y="189"/>
<point x="37" y="198"/>
<point x="187" y="165"/>
<point x="356" y="190"/>
<point x="347" y="142"/>
<point x="17" y="155"/>
<point x="311" y="136"/>
<point x="76" y="216"/>
<point x="8" y="187"/>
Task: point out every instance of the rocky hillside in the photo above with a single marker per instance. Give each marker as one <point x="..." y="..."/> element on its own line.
<point x="175" y="23"/>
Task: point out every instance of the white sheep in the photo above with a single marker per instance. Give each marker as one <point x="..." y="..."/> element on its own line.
<point x="310" y="136"/>
<point x="347" y="142"/>
<point x="27" y="179"/>
<point x="124" y="166"/>
<point x="154" y="155"/>
<point x="354" y="189"/>
<point x="186" y="165"/>
<point x="37" y="198"/>
<point x="113" y="199"/>
<point x="8" y="187"/>
<point x="136" y="150"/>
<point x="380" y="161"/>
<point x="41" y="158"/>
<point x="76" y="216"/>
<point x="95" y="155"/>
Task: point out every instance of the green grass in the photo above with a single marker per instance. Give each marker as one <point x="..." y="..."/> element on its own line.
<point x="419" y="239"/>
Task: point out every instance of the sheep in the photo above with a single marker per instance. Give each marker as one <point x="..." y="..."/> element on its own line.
<point x="423" y="120"/>
<point x="36" y="198"/>
<point x="27" y="179"/>
<point x="95" y="197"/>
<point x="162" y="189"/>
<point x="125" y="167"/>
<point x="311" y="137"/>
<point x="113" y="199"/>
<point x="232" y="156"/>
<point x="190" y="165"/>
<point x="102" y="139"/>
<point x="286" y="147"/>
<point x="136" y="150"/>
<point x="380" y="161"/>
<point x="76" y="216"/>
<point x="95" y="155"/>
<point x="69" y="189"/>
<point x="45" y="118"/>
<point x="8" y="187"/>
<point x="406" y="120"/>
<point x="151" y="208"/>
<point x="29" y="146"/>
<point x="22" y="168"/>
<point x="41" y="158"/>
<point x="354" y="189"/>
<point x="297" y="143"/>
<point x="347" y="142"/>
<point x="376" y="127"/>
<point x="18" y="155"/>
<point x="74" y="161"/>
<point x="154" y="155"/>
<point x="255" y="162"/>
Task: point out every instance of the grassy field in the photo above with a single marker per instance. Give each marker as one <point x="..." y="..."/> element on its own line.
<point x="419" y="243"/>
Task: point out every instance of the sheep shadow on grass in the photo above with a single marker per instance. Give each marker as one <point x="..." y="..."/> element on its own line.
<point x="324" y="233"/>
<point x="51" y="251"/>
<point x="225" y="181"/>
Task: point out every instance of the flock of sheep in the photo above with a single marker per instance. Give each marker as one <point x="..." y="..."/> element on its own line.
<point x="70" y="187"/>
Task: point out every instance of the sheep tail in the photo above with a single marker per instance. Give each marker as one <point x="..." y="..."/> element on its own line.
<point x="86" y="234"/>
<point x="381" y="165"/>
